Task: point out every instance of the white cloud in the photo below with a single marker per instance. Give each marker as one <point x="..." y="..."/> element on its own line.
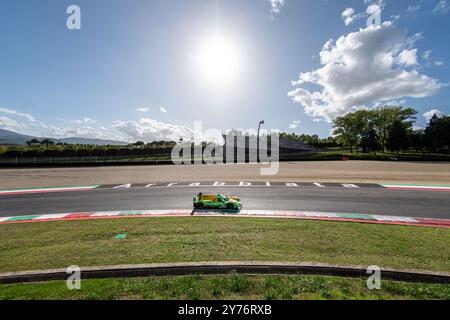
<point x="145" y="129"/>
<point x="430" y="114"/>
<point x="348" y="15"/>
<point x="143" y="109"/>
<point x="89" y="132"/>
<point x="372" y="65"/>
<point x="150" y="130"/>
<point x="17" y="113"/>
<point x="26" y="124"/>
<point x="85" y="120"/>
<point x="443" y="6"/>
<point x="393" y="103"/>
<point x="294" y="125"/>
<point x="276" y="5"/>
<point x="408" y="57"/>
<point x="9" y="124"/>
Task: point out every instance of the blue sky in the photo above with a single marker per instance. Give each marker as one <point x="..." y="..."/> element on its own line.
<point x="135" y="70"/>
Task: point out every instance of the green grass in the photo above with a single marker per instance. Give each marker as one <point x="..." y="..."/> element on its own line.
<point x="226" y="287"/>
<point x="338" y="155"/>
<point x="408" y="156"/>
<point x="46" y="245"/>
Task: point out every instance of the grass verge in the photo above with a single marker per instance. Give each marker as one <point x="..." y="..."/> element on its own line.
<point x="226" y="287"/>
<point x="48" y="245"/>
<point x="338" y="155"/>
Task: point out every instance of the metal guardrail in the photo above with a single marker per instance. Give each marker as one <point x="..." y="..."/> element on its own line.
<point x="221" y="268"/>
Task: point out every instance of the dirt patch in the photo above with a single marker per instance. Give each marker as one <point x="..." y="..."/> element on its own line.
<point x="320" y="171"/>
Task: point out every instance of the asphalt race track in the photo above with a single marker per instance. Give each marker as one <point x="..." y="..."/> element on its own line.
<point x="408" y="203"/>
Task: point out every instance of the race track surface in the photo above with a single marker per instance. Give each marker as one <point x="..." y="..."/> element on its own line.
<point x="370" y="200"/>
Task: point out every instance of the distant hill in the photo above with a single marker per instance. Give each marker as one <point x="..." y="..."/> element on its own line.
<point x="13" y="138"/>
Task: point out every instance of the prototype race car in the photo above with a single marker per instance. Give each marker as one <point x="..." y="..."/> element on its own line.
<point x="204" y="201"/>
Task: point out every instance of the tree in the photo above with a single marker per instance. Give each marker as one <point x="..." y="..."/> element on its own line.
<point x="370" y="141"/>
<point x="139" y="144"/>
<point x="385" y="117"/>
<point x="416" y="139"/>
<point x="365" y="131"/>
<point x="398" y="137"/>
<point x="371" y="129"/>
<point x="47" y="142"/>
<point x="33" y="142"/>
<point x="437" y="134"/>
<point x="346" y="130"/>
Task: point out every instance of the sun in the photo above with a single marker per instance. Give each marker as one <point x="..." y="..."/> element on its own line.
<point x="218" y="61"/>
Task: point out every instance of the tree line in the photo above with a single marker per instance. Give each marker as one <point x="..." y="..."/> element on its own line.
<point x="391" y="129"/>
<point x="312" y="140"/>
<point x="47" y="148"/>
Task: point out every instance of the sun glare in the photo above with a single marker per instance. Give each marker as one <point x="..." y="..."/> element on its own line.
<point x="218" y="61"/>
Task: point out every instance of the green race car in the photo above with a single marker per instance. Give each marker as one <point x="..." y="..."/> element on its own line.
<point x="219" y="201"/>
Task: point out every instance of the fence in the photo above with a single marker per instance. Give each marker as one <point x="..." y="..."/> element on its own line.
<point x="94" y="159"/>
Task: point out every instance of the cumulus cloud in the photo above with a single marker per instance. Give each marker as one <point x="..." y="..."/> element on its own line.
<point x="348" y="15"/>
<point x="276" y="5"/>
<point x="372" y="65"/>
<point x="150" y="130"/>
<point x="408" y="57"/>
<point x="145" y="129"/>
<point x="163" y="110"/>
<point x="430" y="114"/>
